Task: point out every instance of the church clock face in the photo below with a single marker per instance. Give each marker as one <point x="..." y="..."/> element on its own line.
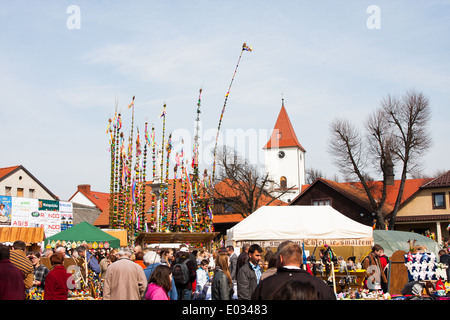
<point x="281" y="154"/>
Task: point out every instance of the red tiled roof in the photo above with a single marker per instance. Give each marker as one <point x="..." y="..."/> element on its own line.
<point x="283" y="134"/>
<point x="356" y="192"/>
<point x="441" y="181"/>
<point x="227" y="218"/>
<point x="6" y="171"/>
<point x="226" y="189"/>
<point x="411" y="186"/>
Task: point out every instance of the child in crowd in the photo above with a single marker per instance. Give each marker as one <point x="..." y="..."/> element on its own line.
<point x="202" y="275"/>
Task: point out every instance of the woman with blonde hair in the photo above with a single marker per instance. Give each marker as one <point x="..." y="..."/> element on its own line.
<point x="222" y="285"/>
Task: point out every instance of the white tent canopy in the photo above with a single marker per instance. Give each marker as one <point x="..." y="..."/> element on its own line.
<point x="311" y="225"/>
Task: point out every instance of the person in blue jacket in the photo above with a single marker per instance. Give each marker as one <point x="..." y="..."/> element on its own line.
<point x="91" y="260"/>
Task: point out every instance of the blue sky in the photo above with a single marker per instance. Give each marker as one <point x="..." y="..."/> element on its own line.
<point x="59" y="85"/>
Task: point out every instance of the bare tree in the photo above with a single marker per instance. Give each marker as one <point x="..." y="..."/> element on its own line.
<point x="314" y="174"/>
<point x="395" y="132"/>
<point x="240" y="184"/>
<point x="409" y="117"/>
<point x="350" y="154"/>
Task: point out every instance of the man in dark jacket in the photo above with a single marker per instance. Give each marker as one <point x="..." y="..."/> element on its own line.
<point x="184" y="291"/>
<point x="289" y="268"/>
<point x="249" y="274"/>
<point x="233" y="262"/>
<point x="242" y="258"/>
<point x="444" y="257"/>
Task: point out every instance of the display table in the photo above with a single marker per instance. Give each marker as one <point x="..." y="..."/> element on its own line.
<point x="345" y="281"/>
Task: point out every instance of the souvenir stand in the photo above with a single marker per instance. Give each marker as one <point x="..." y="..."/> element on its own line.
<point x="312" y="227"/>
<point x="341" y="277"/>
<point x="424" y="268"/>
<point x="88" y="286"/>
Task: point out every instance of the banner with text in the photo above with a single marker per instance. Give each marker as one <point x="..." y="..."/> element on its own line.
<point x="50" y="217"/>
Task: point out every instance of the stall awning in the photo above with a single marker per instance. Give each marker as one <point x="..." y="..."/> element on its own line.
<point x="270" y="225"/>
<point x="27" y="235"/>
<point x="175" y="237"/>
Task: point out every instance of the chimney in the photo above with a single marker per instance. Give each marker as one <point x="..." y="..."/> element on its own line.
<point x="389" y="172"/>
<point x="85" y="188"/>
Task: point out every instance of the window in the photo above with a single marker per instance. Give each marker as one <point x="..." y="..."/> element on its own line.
<point x="438" y="200"/>
<point x="279" y="136"/>
<point x="228" y="208"/>
<point x="20" y="192"/>
<point x="8" y="191"/>
<point x="32" y="193"/>
<point x="321" y="202"/>
<point x="283" y="182"/>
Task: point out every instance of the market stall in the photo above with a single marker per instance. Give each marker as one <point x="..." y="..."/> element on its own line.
<point x="120" y="234"/>
<point x="31" y="236"/>
<point x="83" y="232"/>
<point x="392" y="241"/>
<point x="146" y="238"/>
<point x="313" y="226"/>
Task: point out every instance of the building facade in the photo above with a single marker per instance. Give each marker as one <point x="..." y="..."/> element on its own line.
<point x="17" y="181"/>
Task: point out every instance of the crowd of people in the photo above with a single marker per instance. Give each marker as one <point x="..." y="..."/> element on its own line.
<point x="169" y="274"/>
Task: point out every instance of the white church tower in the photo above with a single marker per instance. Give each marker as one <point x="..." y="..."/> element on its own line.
<point x="285" y="158"/>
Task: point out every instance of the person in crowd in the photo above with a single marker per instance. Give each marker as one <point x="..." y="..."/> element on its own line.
<point x="376" y="278"/>
<point x="151" y="261"/>
<point x="160" y="283"/>
<point x="384" y="261"/>
<point x="60" y="248"/>
<point x="233" y="261"/>
<point x="289" y="262"/>
<point x="48" y="252"/>
<point x="250" y="273"/>
<point x="271" y="259"/>
<point x="92" y="261"/>
<point x="184" y="284"/>
<point x="212" y="256"/>
<point x="125" y="280"/>
<point x="222" y="284"/>
<point x="167" y="257"/>
<point x="19" y="259"/>
<point x="242" y="258"/>
<point x="57" y="280"/>
<point x="40" y="272"/>
<point x="296" y="290"/>
<point x="103" y="264"/>
<point x="136" y="249"/>
<point x="12" y="286"/>
<point x="444" y="257"/>
<point x="202" y="275"/>
<point x="139" y="259"/>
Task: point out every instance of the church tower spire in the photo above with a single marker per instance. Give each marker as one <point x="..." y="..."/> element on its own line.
<point x="285" y="157"/>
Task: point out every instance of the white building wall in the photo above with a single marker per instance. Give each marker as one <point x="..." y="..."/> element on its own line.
<point x="291" y="166"/>
<point x="82" y="199"/>
<point x="20" y="179"/>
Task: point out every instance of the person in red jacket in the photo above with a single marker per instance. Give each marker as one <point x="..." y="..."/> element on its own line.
<point x="56" y="283"/>
<point x="12" y="286"/>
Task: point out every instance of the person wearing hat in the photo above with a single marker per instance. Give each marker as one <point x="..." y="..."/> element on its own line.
<point x="184" y="289"/>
